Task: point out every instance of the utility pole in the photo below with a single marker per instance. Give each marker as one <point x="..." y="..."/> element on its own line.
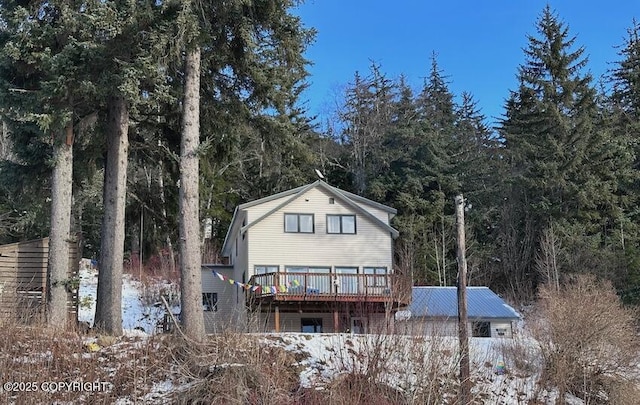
<point x="463" y="322"/>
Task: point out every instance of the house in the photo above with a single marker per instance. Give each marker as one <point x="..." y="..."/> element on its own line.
<point x="312" y="259"/>
<point x="434" y="310"/>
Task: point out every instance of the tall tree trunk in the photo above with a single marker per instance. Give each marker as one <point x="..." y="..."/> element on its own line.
<point x="109" y="298"/>
<point x="190" y="256"/>
<point x="60" y="233"/>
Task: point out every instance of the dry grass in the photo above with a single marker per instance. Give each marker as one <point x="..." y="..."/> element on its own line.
<point x="377" y="369"/>
<point x="39" y="361"/>
<point x="233" y="368"/>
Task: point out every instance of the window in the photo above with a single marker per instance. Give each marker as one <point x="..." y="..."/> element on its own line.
<point x="358" y="325"/>
<point x="346" y="280"/>
<point x="299" y="223"/>
<point x="310" y="280"/>
<point x="341" y="224"/>
<point x="311" y="325"/>
<point x="209" y="301"/>
<point x="265" y="269"/>
<point x="376" y="276"/>
<point x="481" y="329"/>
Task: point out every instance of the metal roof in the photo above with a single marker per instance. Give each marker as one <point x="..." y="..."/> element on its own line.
<point x="442" y="302"/>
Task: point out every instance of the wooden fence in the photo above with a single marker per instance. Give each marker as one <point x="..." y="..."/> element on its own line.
<point x="23" y="281"/>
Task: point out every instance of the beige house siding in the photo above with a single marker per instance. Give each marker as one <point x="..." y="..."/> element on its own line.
<point x="240" y="264"/>
<point x="258" y="210"/>
<point x="449" y="327"/>
<point x="229" y="310"/>
<point x="291" y="322"/>
<point x="270" y="245"/>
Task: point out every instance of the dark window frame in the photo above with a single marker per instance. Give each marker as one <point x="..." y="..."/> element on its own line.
<point x="316" y="323"/>
<point x="481" y="329"/>
<point x="274" y="269"/>
<point x="341" y="216"/>
<point x="298" y="215"/>
<point x="374" y="271"/>
<point x="210" y="301"/>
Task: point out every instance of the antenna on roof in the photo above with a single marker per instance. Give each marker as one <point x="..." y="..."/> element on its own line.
<point x="319" y="174"/>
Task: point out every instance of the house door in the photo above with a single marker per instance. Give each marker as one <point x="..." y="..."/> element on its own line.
<point x="358" y="325"/>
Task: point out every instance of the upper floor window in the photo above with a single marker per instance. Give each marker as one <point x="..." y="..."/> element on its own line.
<point x="301" y="223"/>
<point x="341" y="224"/>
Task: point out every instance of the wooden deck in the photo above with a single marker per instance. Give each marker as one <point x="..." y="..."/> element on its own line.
<point x="326" y="287"/>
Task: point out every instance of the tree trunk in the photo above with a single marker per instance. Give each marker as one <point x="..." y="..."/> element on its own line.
<point x="190" y="257"/>
<point x="109" y="299"/>
<point x="163" y="201"/>
<point x="59" y="236"/>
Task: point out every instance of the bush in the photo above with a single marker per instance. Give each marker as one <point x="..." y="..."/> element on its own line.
<point x="588" y="339"/>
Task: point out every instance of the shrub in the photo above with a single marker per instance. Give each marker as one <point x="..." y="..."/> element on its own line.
<point x="587" y="338"/>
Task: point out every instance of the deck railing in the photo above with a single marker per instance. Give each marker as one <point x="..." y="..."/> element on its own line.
<point x="309" y="285"/>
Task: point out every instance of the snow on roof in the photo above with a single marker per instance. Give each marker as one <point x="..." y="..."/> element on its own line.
<point x="442" y="302"/>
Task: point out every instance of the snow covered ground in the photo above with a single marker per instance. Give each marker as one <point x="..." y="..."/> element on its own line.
<point x="140" y="313"/>
<point x="326" y="356"/>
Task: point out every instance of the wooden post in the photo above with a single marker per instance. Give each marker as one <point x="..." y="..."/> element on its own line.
<point x="463" y="321"/>
<point x="336" y="321"/>
<point x="277" y="318"/>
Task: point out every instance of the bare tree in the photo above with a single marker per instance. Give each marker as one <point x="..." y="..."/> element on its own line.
<point x="547" y="258"/>
<point x="366" y="116"/>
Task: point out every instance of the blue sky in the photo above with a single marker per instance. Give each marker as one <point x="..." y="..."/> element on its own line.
<point x="478" y="43"/>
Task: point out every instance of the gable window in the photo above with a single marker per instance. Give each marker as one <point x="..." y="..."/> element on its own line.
<point x="298" y="223"/>
<point x="341" y="224"/>
<point x="209" y="301"/>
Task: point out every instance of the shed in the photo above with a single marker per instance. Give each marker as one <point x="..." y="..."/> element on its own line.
<point x="434" y="310"/>
<point x="23" y="280"/>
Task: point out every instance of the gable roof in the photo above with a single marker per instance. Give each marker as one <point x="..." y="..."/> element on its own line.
<point x="349" y="199"/>
<point x="442" y="302"/>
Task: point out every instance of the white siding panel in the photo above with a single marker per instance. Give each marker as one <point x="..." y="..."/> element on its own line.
<point x="421" y="327"/>
<point x="240" y="267"/>
<point x="228" y="309"/>
<point x="378" y="323"/>
<point x="501" y="329"/>
<point x="370" y="246"/>
<point x="259" y="210"/>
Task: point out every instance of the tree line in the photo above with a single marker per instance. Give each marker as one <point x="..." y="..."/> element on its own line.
<point x="552" y="190"/>
<point x="108" y="108"/>
<point x="103" y="140"/>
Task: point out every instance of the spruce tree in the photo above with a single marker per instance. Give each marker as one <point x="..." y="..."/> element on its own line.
<point x="46" y="89"/>
<point x="560" y="161"/>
